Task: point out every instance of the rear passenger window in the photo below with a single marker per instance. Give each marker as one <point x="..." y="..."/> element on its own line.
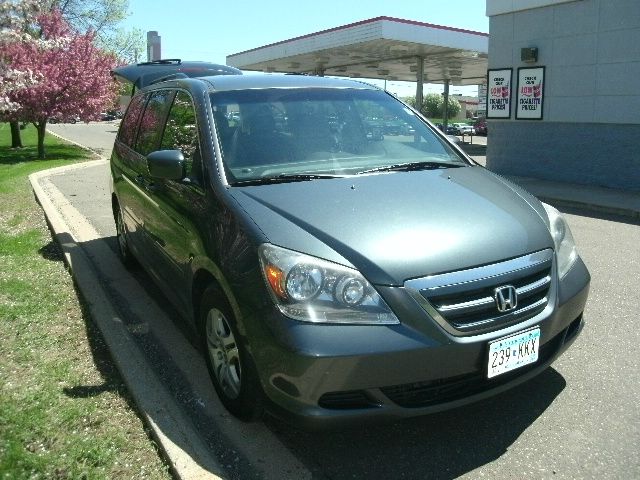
<point x="153" y="120"/>
<point x="129" y="125"/>
<point x="181" y="133"/>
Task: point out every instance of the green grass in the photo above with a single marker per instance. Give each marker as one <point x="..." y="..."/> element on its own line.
<point x="55" y="149"/>
<point x="64" y="411"/>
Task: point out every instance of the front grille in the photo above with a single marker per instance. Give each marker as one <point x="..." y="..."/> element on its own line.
<point x="465" y="300"/>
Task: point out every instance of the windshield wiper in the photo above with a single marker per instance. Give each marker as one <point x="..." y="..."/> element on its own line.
<point x="287" y="177"/>
<point x="407" y="167"/>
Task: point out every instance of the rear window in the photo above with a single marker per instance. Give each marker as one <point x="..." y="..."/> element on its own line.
<point x="129" y="124"/>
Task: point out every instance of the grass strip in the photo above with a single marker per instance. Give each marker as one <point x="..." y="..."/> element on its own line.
<point x="64" y="410"/>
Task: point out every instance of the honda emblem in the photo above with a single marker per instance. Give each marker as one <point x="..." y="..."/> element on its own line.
<point x="506" y="298"/>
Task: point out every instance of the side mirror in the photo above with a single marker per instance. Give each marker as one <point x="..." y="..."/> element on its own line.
<point x="167" y="164"/>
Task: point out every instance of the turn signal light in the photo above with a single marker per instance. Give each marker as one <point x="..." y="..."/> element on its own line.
<point x="276" y="279"/>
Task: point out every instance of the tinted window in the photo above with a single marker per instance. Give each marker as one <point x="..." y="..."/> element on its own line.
<point x="127" y="132"/>
<point x="269" y="132"/>
<point x="181" y="133"/>
<point x="152" y="122"/>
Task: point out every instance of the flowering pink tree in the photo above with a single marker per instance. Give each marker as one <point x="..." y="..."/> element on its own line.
<point x="73" y="75"/>
<point x="16" y="19"/>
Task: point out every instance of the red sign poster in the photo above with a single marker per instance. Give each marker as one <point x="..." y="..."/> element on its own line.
<point x="530" y="98"/>
<point x="499" y="93"/>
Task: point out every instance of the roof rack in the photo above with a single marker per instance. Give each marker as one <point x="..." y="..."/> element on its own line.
<point x="164" y="61"/>
<point x="171" y="76"/>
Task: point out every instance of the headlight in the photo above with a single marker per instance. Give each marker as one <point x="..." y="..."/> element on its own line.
<point x="313" y="290"/>
<point x="566" y="252"/>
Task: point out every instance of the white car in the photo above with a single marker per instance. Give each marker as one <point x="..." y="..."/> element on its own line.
<point x="464" y="129"/>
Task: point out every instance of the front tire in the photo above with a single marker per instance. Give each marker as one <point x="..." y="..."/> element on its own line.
<point x="230" y="366"/>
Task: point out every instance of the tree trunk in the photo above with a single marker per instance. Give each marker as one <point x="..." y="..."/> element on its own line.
<point x="16" y="140"/>
<point x="41" y="126"/>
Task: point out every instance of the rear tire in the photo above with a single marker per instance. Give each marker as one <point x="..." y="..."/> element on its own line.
<point x="230" y="366"/>
<point x="124" y="252"/>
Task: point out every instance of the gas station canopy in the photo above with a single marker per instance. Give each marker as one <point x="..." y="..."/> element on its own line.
<point x="381" y="48"/>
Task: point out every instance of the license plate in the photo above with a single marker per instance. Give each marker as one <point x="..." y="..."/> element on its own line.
<point x="513" y="352"/>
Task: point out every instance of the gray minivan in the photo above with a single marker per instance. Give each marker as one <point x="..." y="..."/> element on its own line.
<point x="332" y="273"/>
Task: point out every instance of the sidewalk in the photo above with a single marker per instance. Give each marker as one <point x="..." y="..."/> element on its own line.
<point x="596" y="199"/>
<point x="568" y="195"/>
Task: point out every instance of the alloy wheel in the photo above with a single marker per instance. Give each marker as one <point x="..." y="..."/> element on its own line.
<point x="223" y="352"/>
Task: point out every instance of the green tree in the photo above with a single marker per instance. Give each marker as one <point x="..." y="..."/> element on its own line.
<point x="433" y="105"/>
<point x="103" y="17"/>
<point x="409" y="101"/>
<point x="454" y="107"/>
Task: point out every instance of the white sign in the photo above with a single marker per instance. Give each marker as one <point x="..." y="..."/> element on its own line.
<point x="482" y="100"/>
<point x="530" y="98"/>
<point x="499" y="93"/>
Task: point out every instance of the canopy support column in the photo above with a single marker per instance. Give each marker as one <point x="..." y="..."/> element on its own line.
<point x="420" y="83"/>
<point x="445" y="115"/>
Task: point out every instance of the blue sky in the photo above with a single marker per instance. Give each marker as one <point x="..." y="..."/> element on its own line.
<point x="211" y="30"/>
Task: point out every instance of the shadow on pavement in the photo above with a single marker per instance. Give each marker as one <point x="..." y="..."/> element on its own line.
<point x="439" y="446"/>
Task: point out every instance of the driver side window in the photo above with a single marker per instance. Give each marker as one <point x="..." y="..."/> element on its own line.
<point x="181" y="133"/>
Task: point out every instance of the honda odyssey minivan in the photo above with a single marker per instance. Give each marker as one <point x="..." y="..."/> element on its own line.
<point x="334" y="276"/>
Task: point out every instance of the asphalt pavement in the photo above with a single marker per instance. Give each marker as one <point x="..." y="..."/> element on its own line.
<point x="579" y="419"/>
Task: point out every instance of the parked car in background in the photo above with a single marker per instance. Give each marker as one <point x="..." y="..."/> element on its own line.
<point x="332" y="276"/>
<point x="463" y="129"/>
<point x="110" y="115"/>
<point x="481" y="127"/>
<point x="374" y="128"/>
<point x="397" y="127"/>
<point x="72" y="119"/>
<point x="451" y="129"/>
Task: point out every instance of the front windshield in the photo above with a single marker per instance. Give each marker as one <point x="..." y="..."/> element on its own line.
<point x="292" y="133"/>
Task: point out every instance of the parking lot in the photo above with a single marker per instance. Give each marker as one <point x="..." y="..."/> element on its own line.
<point x="579" y="419"/>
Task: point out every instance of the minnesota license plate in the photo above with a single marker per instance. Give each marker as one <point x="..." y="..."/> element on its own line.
<point x="515" y="351"/>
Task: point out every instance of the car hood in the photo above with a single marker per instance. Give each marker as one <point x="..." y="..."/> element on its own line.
<point x="400" y="225"/>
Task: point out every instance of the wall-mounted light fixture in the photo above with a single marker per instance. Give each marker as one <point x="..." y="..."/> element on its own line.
<point x="529" y="54"/>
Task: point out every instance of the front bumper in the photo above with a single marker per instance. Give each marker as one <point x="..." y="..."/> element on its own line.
<point x="327" y="376"/>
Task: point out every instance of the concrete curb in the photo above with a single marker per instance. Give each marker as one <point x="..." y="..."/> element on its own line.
<point x="148" y="392"/>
